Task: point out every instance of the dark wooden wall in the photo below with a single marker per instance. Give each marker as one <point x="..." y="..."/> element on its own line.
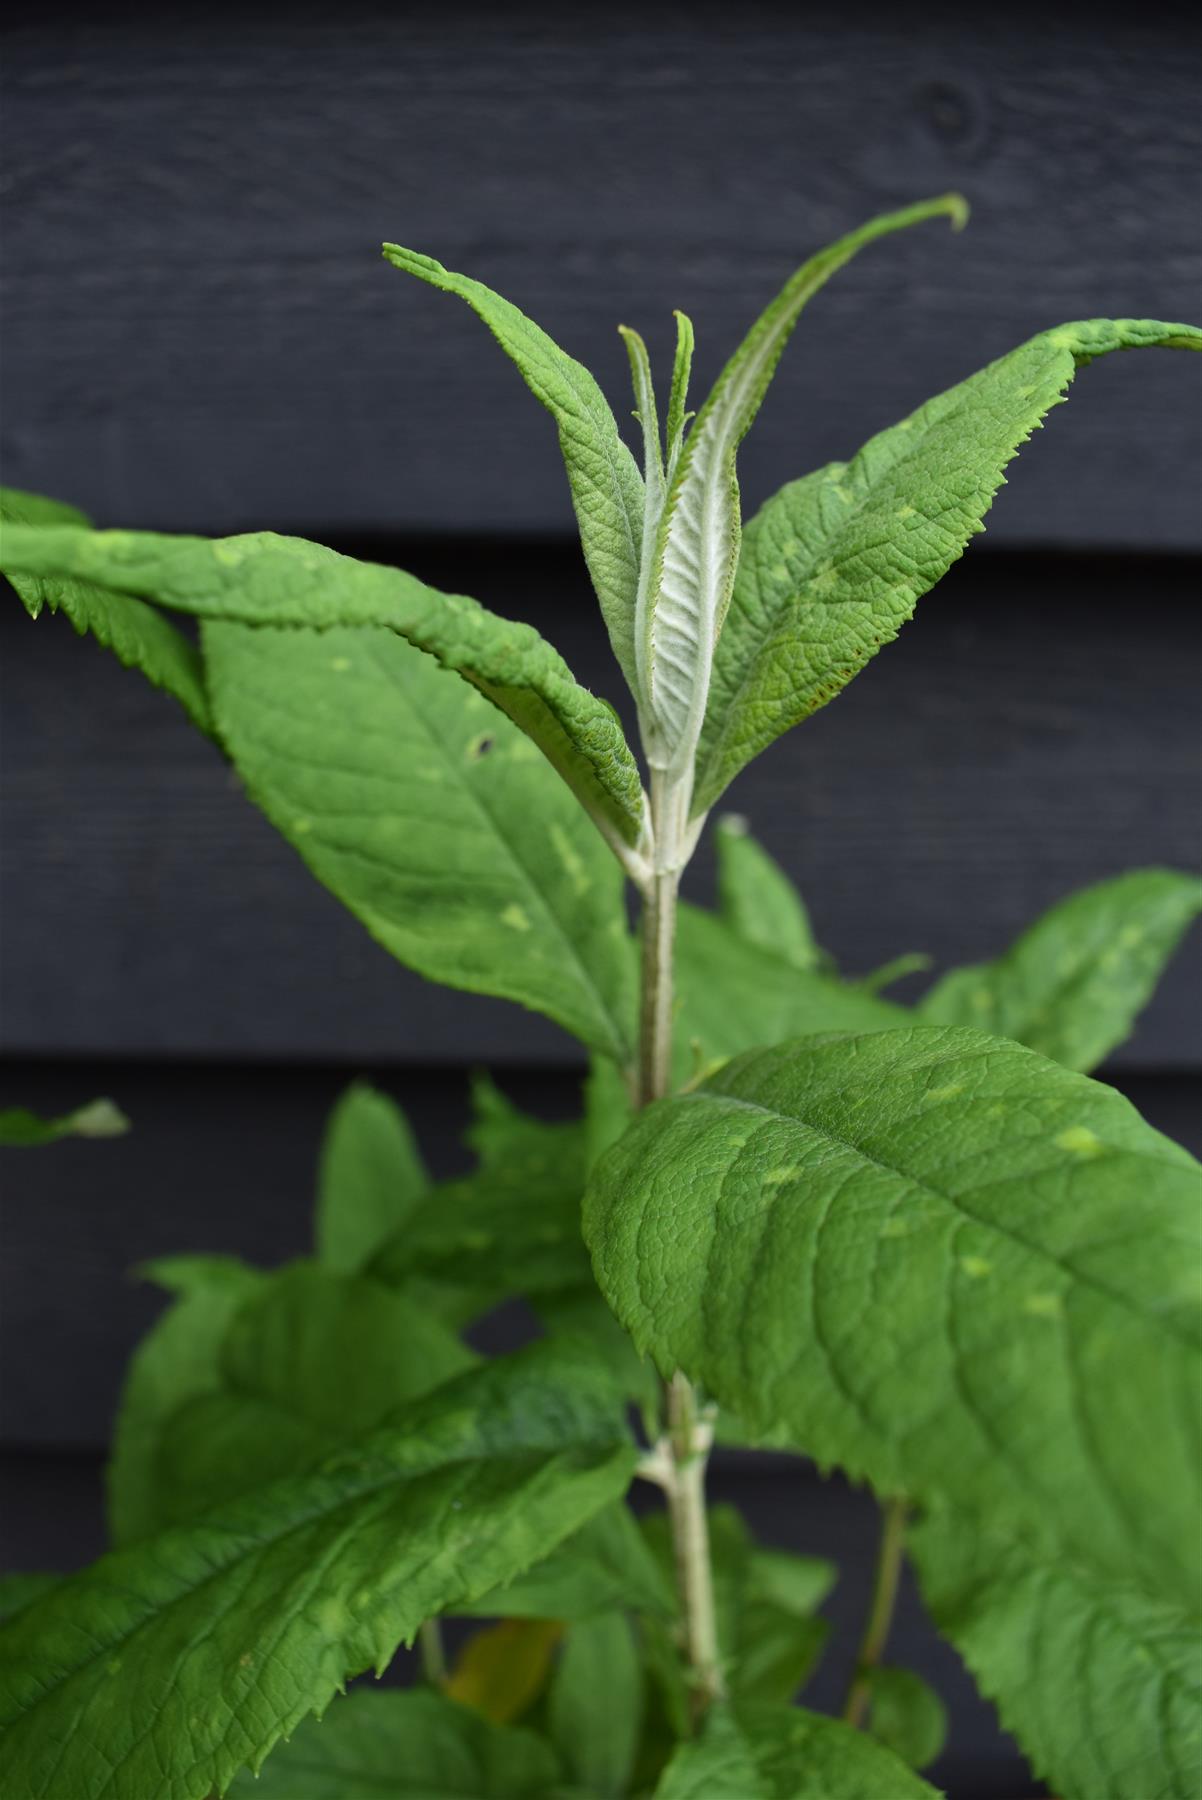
<point x="198" y="334"/>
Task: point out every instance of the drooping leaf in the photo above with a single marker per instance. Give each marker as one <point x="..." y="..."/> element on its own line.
<point x="906" y="1714"/>
<point x="371" y="1177"/>
<point x="757" y="900"/>
<point x="411" y="1746"/>
<point x="604" y="1565"/>
<point x="286" y="1593"/>
<point x="595" y="1704"/>
<point x="98" y="1119"/>
<point x="783" y="1753"/>
<point x="263" y="579"/>
<point x="697" y="546"/>
<point x="607" y="491"/>
<point x="136" y="634"/>
<point x="1100" y="1682"/>
<point x="939" y="1260"/>
<point x="503" y="1668"/>
<point x="1073" y="984"/>
<point x="834" y="565"/>
<point x="431" y="817"/>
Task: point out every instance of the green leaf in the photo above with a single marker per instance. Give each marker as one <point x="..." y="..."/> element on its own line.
<point x="176" y="1361"/>
<point x="581" y="1312"/>
<point x="1075" y="981"/>
<point x="757" y="900"/>
<point x="682" y="366"/>
<point x="284" y="1594"/>
<point x="906" y="1714"/>
<point x="431" y="817"/>
<point x="834" y="565"/>
<point x="137" y="635"/>
<point x="309" y="1360"/>
<point x="370" y="1179"/>
<point x="607" y="491"/>
<point x="410" y="1745"/>
<point x="606" y="1564"/>
<point x="98" y="1119"/>
<point x="19" y="1591"/>
<point x="940" y="1261"/>
<point x="595" y="1705"/>
<point x="1099" y="1681"/>
<point x="697" y="546"/>
<point x="782" y="1753"/>
<point x="266" y="580"/>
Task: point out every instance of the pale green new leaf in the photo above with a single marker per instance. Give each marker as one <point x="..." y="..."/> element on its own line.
<point x="834" y="565"/>
<point x="136" y="634"/>
<point x="107" y="1684"/>
<point x="431" y="817"/>
<point x="98" y="1119"/>
<point x="595" y="1704"/>
<point x="607" y="491"/>
<point x="263" y="579"/>
<point x="757" y="899"/>
<point x="412" y="1746"/>
<point x="697" y="546"/>
<point x="370" y="1178"/>
<point x="941" y="1261"/>
<point x="1073" y="984"/>
<point x="906" y="1714"/>
<point x="783" y="1753"/>
<point x="1100" y="1682"/>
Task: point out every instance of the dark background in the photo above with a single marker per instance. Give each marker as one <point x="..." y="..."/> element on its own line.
<point x="198" y="334"/>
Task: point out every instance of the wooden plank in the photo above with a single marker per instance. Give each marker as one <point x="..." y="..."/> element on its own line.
<point x="199" y="331"/>
<point x="1034" y="729"/>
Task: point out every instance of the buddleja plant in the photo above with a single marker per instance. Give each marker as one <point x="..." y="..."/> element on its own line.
<point x="920" y="1245"/>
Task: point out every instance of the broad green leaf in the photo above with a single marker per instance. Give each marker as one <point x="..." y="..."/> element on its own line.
<point x="277" y="1599"/>
<point x="1074" y="982"/>
<point x="98" y="1119"/>
<point x="1100" y="1682"/>
<point x="697" y="546"/>
<point x="431" y="817"/>
<point x="834" y="564"/>
<point x="906" y="1714"/>
<point x="757" y="900"/>
<point x="939" y="1260"/>
<point x="582" y="1312"/>
<point x="263" y="579"/>
<point x="176" y="1361"/>
<point x="136" y="634"/>
<point x="501" y="1670"/>
<point x="407" y="1746"/>
<point x="595" y="1704"/>
<point x="605" y="1565"/>
<point x="607" y="491"/>
<point x="19" y="1591"/>
<point x="782" y="1753"/>
<point x="733" y="995"/>
<point x="371" y="1177"/>
<point x="310" y="1360"/>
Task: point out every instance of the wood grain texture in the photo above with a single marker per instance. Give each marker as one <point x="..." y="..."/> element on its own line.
<point x="1034" y="729"/>
<point x="199" y="331"/>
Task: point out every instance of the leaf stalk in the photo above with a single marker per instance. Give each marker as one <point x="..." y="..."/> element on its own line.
<point x="880" y="1611"/>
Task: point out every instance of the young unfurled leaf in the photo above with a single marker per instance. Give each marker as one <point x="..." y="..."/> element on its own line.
<point x="503" y="1668"/>
<point x="263" y="579"/>
<point x="98" y="1119"/>
<point x="906" y="1714"/>
<point x="607" y="490"/>
<point x="290" y="1591"/>
<point x="431" y="817"/>
<point x="833" y="566"/>
<point x="403" y="1746"/>
<point x="782" y="1753"/>
<point x="757" y="899"/>
<point x="136" y="634"/>
<point x="1073" y="984"/>
<point x="370" y="1178"/>
<point x="697" y="545"/>
<point x="940" y="1261"/>
<point x="1100" y="1682"/>
<point x="595" y="1704"/>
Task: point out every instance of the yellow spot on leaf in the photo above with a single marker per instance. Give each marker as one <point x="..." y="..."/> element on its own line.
<point x="976" y="1266"/>
<point x="515" y="917"/>
<point x="778" y="1177"/>
<point x="1044" y="1306"/>
<point x="1079" y="1140"/>
<point x="300" y="826"/>
<point x="904" y="512"/>
<point x="340" y="664"/>
<point x="946" y="1093"/>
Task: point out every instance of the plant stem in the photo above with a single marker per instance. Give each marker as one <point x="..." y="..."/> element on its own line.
<point x="880" y="1612"/>
<point x="688" y="1438"/>
<point x="433" y="1656"/>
